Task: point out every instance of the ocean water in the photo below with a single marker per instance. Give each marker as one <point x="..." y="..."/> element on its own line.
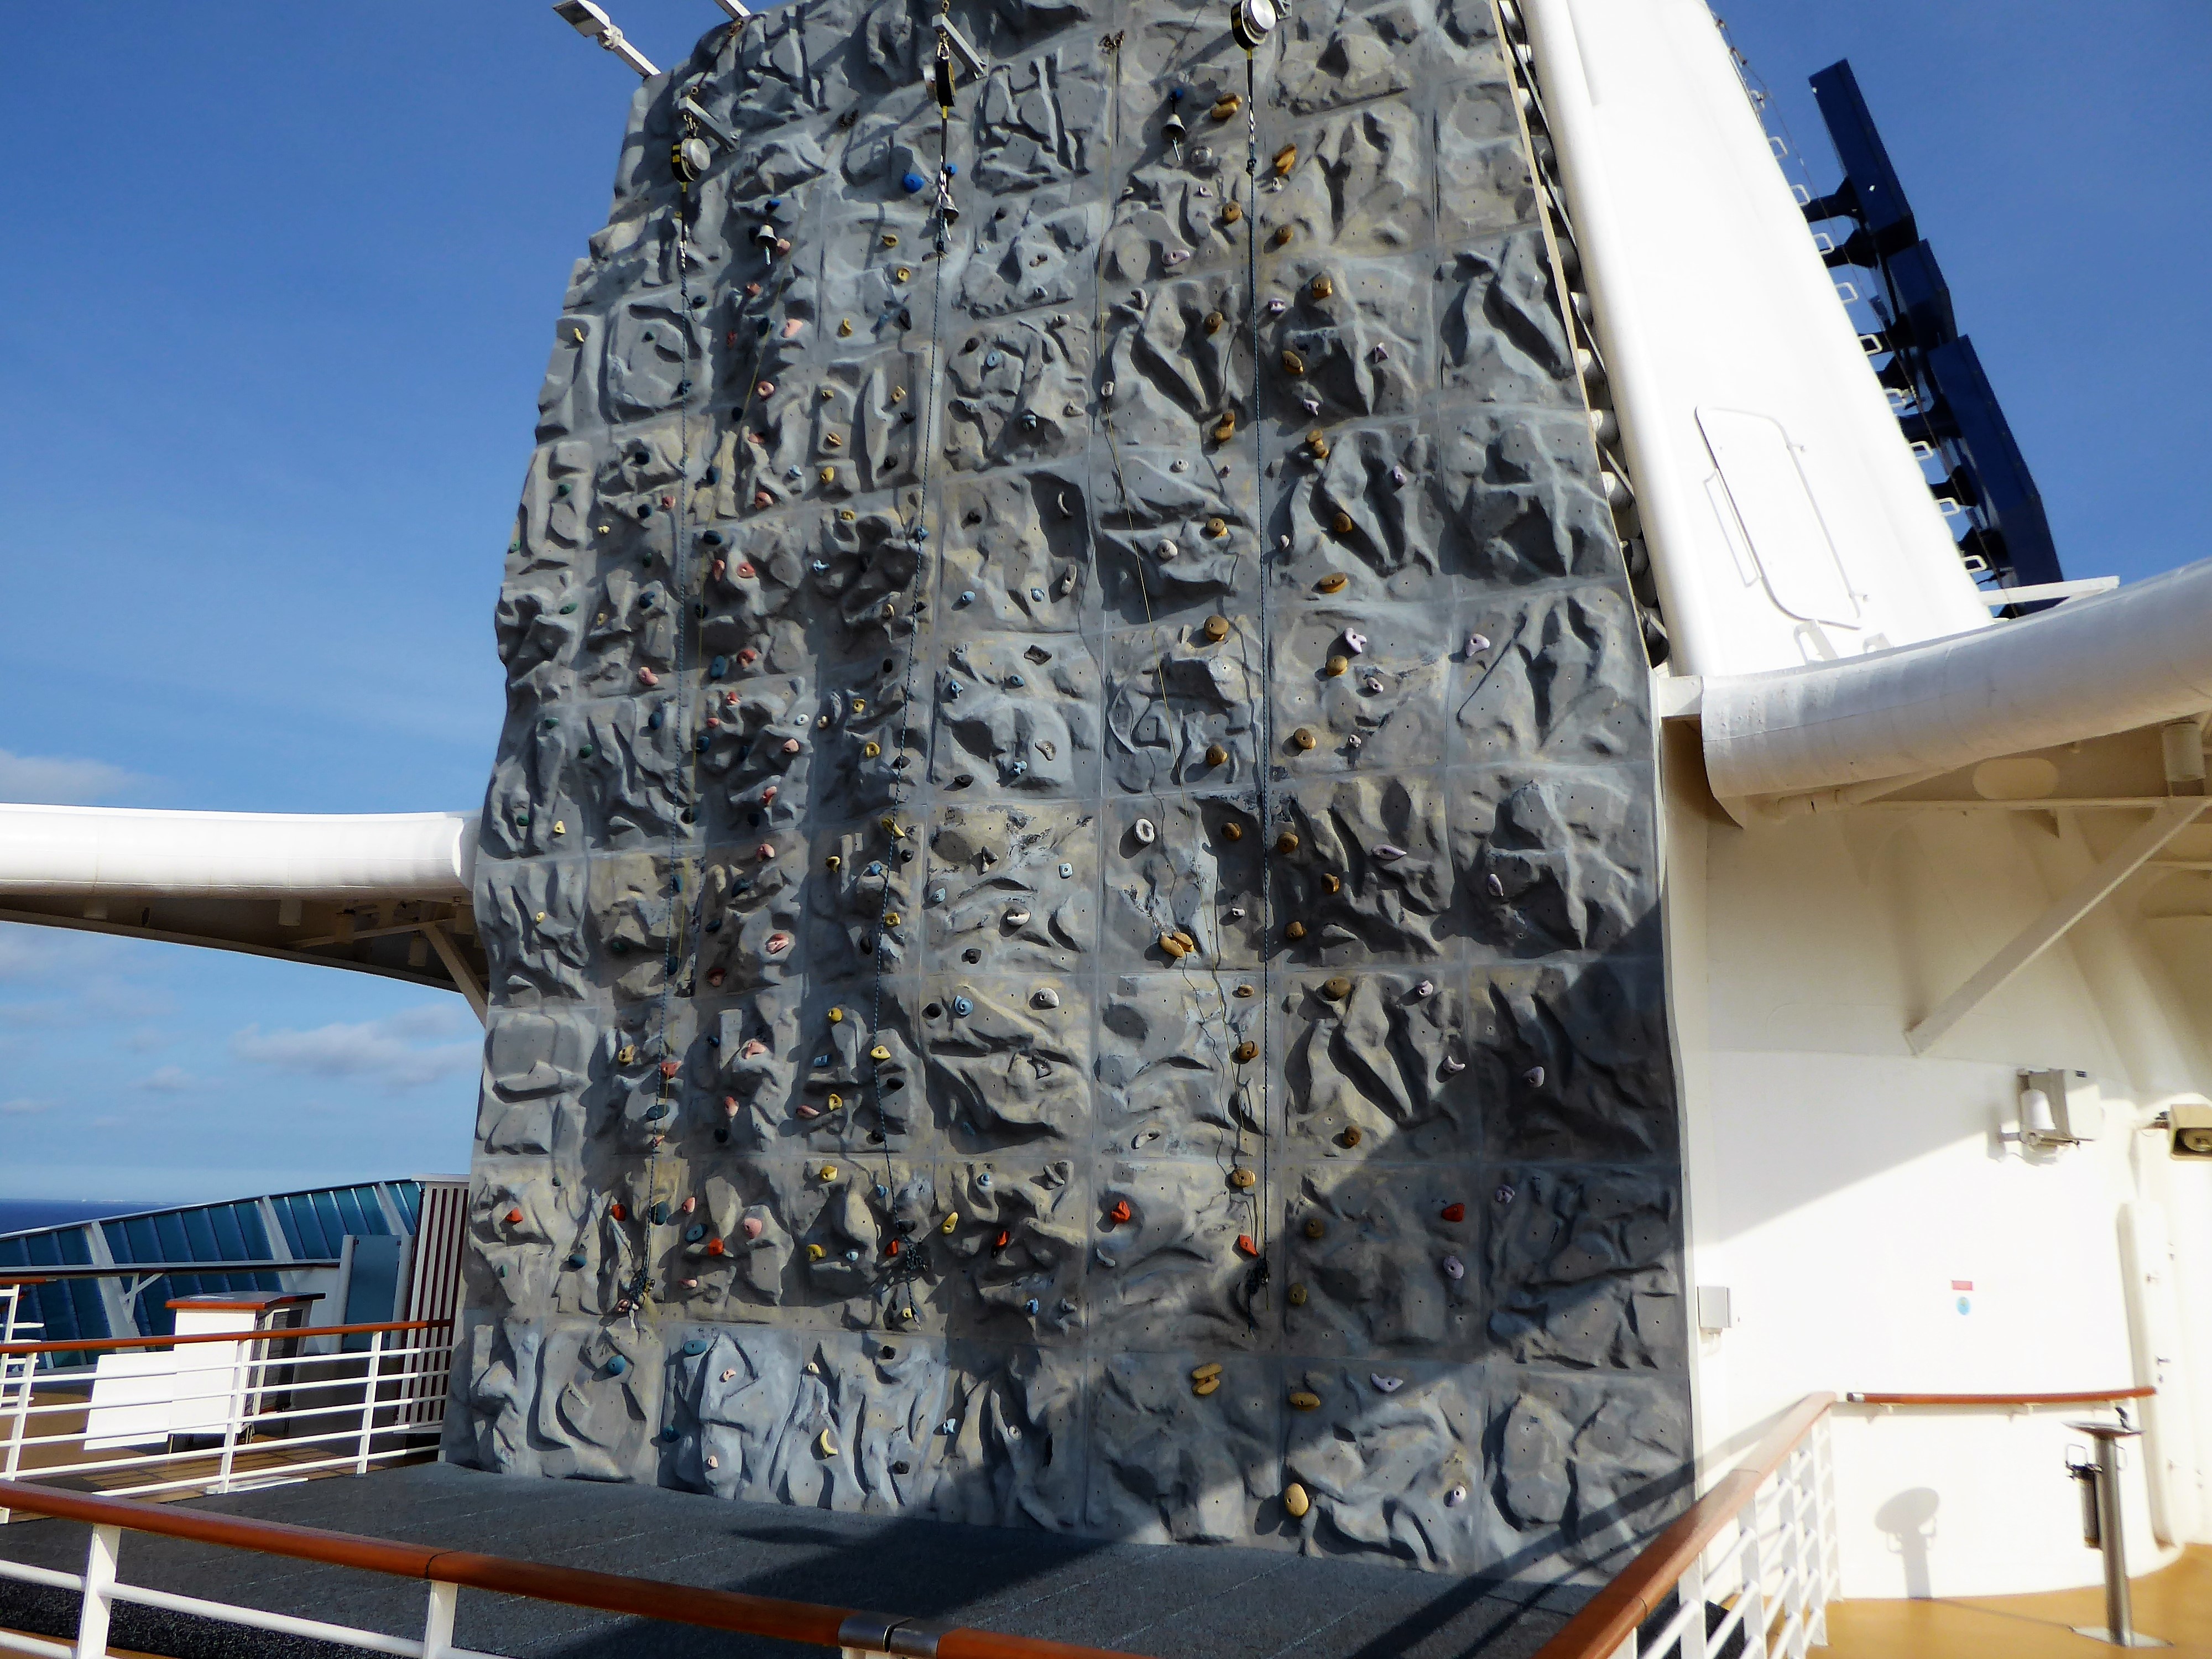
<point x="24" y="1214"/>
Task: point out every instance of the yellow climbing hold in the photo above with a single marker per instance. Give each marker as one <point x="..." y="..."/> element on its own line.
<point x="836" y="1102"/>
<point x="1242" y="1179"/>
<point x="1296" y="1294"/>
<point x="815" y="1253"/>
<point x="1335" y="665"/>
<point x="827" y="1172"/>
<point x="1301" y="1401"/>
<point x="1286" y="159"/>
<point x="1336" y="989"/>
<point x="1293" y="365"/>
<point x="871" y="749"/>
<point x="835" y="861"/>
<point x="1225" y="428"/>
<point x="1212" y="1368"/>
<point x="1315" y="1227"/>
<point x="1216" y="755"/>
<point x="1321" y="288"/>
<point x="879" y="1053"/>
<point x="1214" y="322"/>
<point x="1217" y="528"/>
<point x="890" y="239"/>
<point x="1334" y="582"/>
<point x="836" y="1015"/>
<point x="1317" y="443"/>
<point x="902" y="273"/>
<point x="845" y="328"/>
<point x="949" y="1223"/>
<point x="1172" y="947"/>
<point x="1205" y="1386"/>
<point x="1280" y="237"/>
<point x="1295" y="1501"/>
<point x="828" y="475"/>
<point x="1226" y="106"/>
<point x="1341" y="523"/>
<point x="1288" y="842"/>
<point x="826" y="1442"/>
<point x="1330" y="884"/>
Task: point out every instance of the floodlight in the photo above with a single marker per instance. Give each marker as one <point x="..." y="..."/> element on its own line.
<point x="593" y="24"/>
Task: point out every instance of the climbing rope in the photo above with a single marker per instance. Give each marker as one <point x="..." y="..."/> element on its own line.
<point x="942" y="213"/>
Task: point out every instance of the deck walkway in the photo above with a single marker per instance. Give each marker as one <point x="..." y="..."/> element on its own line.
<point x="1200" y="1603"/>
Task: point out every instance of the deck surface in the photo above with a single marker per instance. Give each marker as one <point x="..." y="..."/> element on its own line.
<point x="2174" y="1603"/>
<point x="1206" y="1602"/>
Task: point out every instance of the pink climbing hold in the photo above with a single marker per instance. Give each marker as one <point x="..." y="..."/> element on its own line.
<point x="762" y="498"/>
<point x="806" y="1111"/>
<point x="754" y="1049"/>
<point x="751" y="1226"/>
<point x="690" y="1205"/>
<point x="669" y="1067"/>
<point x="729" y="1105"/>
<point x="790" y="745"/>
<point x="765" y="389"/>
<point x="767" y="794"/>
<point x="793" y="325"/>
<point x="778" y="943"/>
<point x="765" y="850"/>
<point x="745" y="566"/>
<point x="646" y="677"/>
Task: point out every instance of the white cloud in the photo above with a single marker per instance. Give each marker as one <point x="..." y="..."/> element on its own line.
<point x="57" y="780"/>
<point x="391" y="1051"/>
<point x="147" y="1041"/>
<point x="23" y="1106"/>
<point x="167" y="1081"/>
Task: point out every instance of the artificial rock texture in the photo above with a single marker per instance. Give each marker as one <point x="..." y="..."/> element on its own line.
<point x="973" y="952"/>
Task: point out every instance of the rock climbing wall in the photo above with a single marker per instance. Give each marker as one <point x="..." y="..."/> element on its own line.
<point x="1074" y="939"/>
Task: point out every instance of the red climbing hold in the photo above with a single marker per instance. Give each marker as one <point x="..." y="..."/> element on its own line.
<point x="1245" y="1246"/>
<point x="669" y="1067"/>
<point x="1120" y="1212"/>
<point x="714" y="1247"/>
<point x="892" y="1248"/>
<point x="514" y="1217"/>
<point x="1455" y="1212"/>
<point x="616" y="1211"/>
<point x="1002" y="1240"/>
<point x="744" y="568"/>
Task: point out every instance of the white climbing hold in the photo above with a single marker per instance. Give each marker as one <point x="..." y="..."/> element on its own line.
<point x="1534" y="1077"/>
<point x="729" y="1377"/>
<point x="1495" y="883"/>
<point x="1453" y="1066"/>
<point x="1045" y="998"/>
<point x="1354" y="641"/>
<point x="1144" y="831"/>
<point x="1455" y="1498"/>
<point x="1454" y="1267"/>
<point x="1425" y="988"/>
<point x="1017" y="915"/>
<point x="1389" y="853"/>
<point x="1477" y="644"/>
<point x="1386" y="1384"/>
<point x="1167" y="550"/>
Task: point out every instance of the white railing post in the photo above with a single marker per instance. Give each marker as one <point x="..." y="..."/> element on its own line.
<point x="233" y="1417"/>
<point x="438" y="1623"/>
<point x="1692" y="1598"/>
<point x="1751" y="1570"/>
<point x="23" y="1364"/>
<point x="368" y="1399"/>
<point x="99" y="1600"/>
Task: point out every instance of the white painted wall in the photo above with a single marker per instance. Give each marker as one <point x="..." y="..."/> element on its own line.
<point x="1841" y="1188"/>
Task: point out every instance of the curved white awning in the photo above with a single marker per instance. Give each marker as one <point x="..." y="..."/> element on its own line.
<point x="101" y="850"/>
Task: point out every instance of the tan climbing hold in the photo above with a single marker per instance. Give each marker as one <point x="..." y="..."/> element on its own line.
<point x="1232" y="832"/>
<point x="898" y="394"/>
<point x="1214" y="322"/>
<point x="1231" y="213"/>
<point x="1337" y="988"/>
<point x="1334" y="582"/>
<point x="1341" y="523"/>
<point x="1351" y="1135"/>
<point x="1330" y="883"/>
<point x="1321" y="288"/>
<point x="1280" y="237"/>
<point x="1335" y="665"/>
<point x="1188" y="944"/>
<point x="1286" y="159"/>
<point x="1242" y="1179"/>
<point x="1296" y="930"/>
<point x="1296" y="1296"/>
<point x="1216" y="629"/>
<point x="1318" y="444"/>
<point x="1205" y="1386"/>
<point x="1247" y="1052"/>
<point x="1245" y="991"/>
<point x="1216" y="754"/>
<point x="1317" y="1228"/>
<point x="845" y="328"/>
<point x="1225" y="428"/>
<point x="1293" y="365"/>
<point x="1295" y="1501"/>
<point x="1302" y="1400"/>
<point x="1173" y="947"/>
<point x="832" y="440"/>
<point x="1217" y="528"/>
<point x="1303" y="738"/>
<point x="1212" y="1368"/>
<point x="1288" y="842"/>
<point x="1226" y="106"/>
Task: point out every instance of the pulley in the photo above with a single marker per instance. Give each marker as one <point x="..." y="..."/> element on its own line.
<point x="1251" y="22"/>
<point x="941" y="81"/>
<point x="690" y="158"/>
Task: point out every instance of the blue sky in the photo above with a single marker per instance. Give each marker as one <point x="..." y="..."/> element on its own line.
<point x="275" y="306"/>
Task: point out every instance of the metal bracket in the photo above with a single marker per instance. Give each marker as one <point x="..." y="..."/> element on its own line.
<point x="2168" y="820"/>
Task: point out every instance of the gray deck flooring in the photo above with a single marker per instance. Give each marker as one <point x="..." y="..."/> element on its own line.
<point x="1204" y="1602"/>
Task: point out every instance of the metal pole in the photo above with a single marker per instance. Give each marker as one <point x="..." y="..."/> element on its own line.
<point x="2119" y="1614"/>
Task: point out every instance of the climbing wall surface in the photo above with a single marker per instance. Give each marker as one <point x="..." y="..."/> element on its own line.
<point x="968" y="1038"/>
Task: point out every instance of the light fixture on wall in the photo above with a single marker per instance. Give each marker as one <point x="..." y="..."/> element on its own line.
<point x="2057" y="1109"/>
<point x="2187" y="1122"/>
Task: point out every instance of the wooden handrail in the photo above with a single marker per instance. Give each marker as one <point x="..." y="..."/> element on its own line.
<point x="606" y="1592"/>
<point x="281" y="1333"/>
<point x="2088" y="1397"/>
<point x="1621" y="1608"/>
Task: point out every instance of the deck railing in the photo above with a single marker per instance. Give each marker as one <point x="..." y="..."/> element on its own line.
<point x="447" y="1573"/>
<point x="1759" y="1548"/>
<point x="230" y="1409"/>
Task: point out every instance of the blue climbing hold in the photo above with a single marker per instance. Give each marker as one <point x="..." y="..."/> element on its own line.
<point x="575" y="1259"/>
<point x="694" y="1346"/>
<point x="772" y="204"/>
<point x="653" y="1113"/>
<point x="1029" y="1306"/>
<point x="963" y="1007"/>
<point x="654" y="720"/>
<point x="617" y="1365"/>
<point x="914" y="183"/>
<point x="967" y="597"/>
<point x="952" y="169"/>
<point x="661" y="1213"/>
<point x="671" y="1435"/>
<point x="692" y="1235"/>
<point x="993" y="359"/>
<point x="716" y="669"/>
